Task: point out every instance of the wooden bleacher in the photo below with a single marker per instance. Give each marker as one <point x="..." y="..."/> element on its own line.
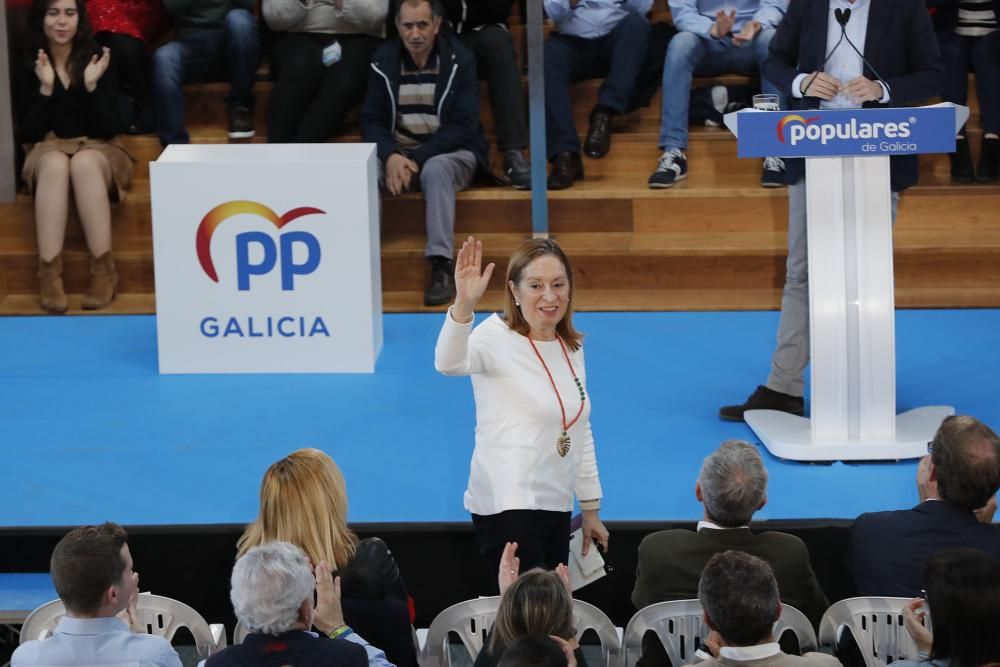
<point x="714" y="242"/>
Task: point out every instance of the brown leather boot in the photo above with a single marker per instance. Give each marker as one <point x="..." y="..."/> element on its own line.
<point x="50" y="285"/>
<point x="103" y="282"/>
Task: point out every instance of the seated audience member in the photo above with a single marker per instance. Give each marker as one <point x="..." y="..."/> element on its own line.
<point x="481" y="26"/>
<point x="216" y="40"/>
<point x="319" y="61"/>
<point x="963" y="595"/>
<point x="303" y="500"/>
<point x="731" y="486"/>
<point x="537" y="651"/>
<point x="422" y="111"/>
<point x="272" y="594"/>
<point x="67" y="108"/>
<point x="967" y="35"/>
<point x="888" y="550"/>
<point x="92" y="572"/>
<point x="593" y="38"/>
<point x="740" y="599"/>
<point x="534" y="604"/>
<point x="715" y="38"/>
<point x="126" y="27"/>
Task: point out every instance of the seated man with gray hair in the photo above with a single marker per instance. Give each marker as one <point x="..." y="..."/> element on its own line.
<point x="272" y="595"/>
<point x="739" y="596"/>
<point x="731" y="486"/>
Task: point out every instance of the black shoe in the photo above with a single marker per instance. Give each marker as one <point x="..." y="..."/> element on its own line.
<point x="961" y="162"/>
<point x="442" y="287"/>
<point x="764" y="399"/>
<point x="988" y="170"/>
<point x="598" y="141"/>
<point x="517" y="169"/>
<point x="567" y="168"/>
<point x="773" y="175"/>
<point x="240" y="123"/>
<point x="672" y="167"/>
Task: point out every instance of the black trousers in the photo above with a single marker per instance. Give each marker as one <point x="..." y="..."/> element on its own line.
<point x="542" y="538"/>
<point x="309" y="100"/>
<point x="496" y="63"/>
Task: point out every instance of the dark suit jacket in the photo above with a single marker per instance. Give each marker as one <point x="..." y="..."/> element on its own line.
<point x="291" y="649"/>
<point x="899" y="43"/>
<point x="671" y="561"/>
<point x="888" y="550"/>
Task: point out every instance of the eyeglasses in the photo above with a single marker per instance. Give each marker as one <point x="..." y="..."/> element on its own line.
<point x="930" y="447"/>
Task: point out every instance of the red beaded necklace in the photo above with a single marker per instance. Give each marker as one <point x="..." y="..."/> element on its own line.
<point x="563" y="441"/>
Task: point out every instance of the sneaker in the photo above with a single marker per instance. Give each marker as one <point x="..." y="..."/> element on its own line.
<point x="961" y="162"/>
<point x="240" y="123"/>
<point x="773" y="175"/>
<point x="764" y="399"/>
<point x="442" y="287"/>
<point x="517" y="169"/>
<point x="988" y="170"/>
<point x="672" y="167"/>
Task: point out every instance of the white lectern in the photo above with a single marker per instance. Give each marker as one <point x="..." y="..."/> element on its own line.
<point x="851" y="293"/>
<point x="267" y="258"/>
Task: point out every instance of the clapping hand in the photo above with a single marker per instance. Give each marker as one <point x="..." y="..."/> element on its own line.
<point x="913" y="619"/>
<point x="95" y="69"/>
<point x="470" y="279"/>
<point x="130" y="614"/>
<point x="723" y="24"/>
<point x="329" y="615"/>
<point x="45" y="72"/>
<point x="746" y="33"/>
<point x="510" y="567"/>
<point x="567" y="649"/>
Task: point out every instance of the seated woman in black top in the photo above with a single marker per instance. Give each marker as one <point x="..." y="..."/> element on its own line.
<point x="67" y="110"/>
<point x="303" y="500"/>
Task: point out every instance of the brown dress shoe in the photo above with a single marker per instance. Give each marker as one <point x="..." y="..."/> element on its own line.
<point x="567" y="168"/>
<point x="50" y="285"/>
<point x="103" y="282"/>
<point x="764" y="398"/>
<point x="598" y="141"/>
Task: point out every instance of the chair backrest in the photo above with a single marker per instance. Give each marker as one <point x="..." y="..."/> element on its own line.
<point x="680" y="627"/>
<point x="162" y="616"/>
<point x="240" y="633"/>
<point x="588" y="617"/>
<point x="470" y="620"/>
<point x="877" y="626"/>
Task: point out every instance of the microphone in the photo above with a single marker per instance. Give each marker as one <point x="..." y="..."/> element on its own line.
<point x="843" y="16"/>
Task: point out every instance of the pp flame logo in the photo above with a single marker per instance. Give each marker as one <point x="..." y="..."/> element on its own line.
<point x="271" y="252"/>
<point x="793" y="118"/>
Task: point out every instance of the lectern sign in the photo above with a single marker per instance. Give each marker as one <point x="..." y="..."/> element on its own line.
<point x="267" y="258"/>
<point x="846" y="132"/>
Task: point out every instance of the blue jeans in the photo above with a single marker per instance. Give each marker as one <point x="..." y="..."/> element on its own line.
<point x="618" y="55"/>
<point x="229" y="54"/>
<point x="689" y="55"/>
<point x="958" y="52"/>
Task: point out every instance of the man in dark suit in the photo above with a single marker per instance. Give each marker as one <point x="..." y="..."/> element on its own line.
<point x="960" y="475"/>
<point x="812" y="61"/>
<point x="732" y="485"/>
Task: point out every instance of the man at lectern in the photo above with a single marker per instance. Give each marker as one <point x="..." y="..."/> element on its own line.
<point x="837" y="54"/>
<point x="422" y="111"/>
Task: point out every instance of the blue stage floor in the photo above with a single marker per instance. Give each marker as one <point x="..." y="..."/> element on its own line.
<point x="91" y="432"/>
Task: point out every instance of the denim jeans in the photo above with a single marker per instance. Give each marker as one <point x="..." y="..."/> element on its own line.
<point x="690" y="55"/>
<point x="958" y="52"/>
<point x="229" y="54"/>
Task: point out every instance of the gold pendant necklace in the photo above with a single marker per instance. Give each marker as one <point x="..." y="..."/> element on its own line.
<point x="563" y="442"/>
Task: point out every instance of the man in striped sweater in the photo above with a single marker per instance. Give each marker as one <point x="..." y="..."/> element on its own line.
<point x="422" y="112"/>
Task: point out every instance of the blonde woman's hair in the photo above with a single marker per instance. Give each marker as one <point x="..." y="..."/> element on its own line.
<point x="537" y="604"/>
<point x="524" y="255"/>
<point x="303" y="500"/>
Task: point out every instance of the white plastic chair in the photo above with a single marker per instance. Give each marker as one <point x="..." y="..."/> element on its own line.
<point x="680" y="627"/>
<point x="588" y="617"/>
<point x="162" y="616"/>
<point x="470" y="620"/>
<point x="877" y="626"/>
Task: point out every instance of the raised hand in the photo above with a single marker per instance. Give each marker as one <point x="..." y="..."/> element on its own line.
<point x="95" y="69"/>
<point x="45" y="72"/>
<point x="723" y="24"/>
<point x="329" y="615"/>
<point x="470" y="278"/>
<point x="562" y="571"/>
<point x="510" y="567"/>
<point x="913" y="618"/>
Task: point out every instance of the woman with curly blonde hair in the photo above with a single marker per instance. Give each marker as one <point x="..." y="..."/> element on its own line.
<point x="303" y="500"/>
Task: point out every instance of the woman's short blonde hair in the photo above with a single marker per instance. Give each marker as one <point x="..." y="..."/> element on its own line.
<point x="303" y="500"/>
<point x="537" y="604"/>
<point x="524" y="255"/>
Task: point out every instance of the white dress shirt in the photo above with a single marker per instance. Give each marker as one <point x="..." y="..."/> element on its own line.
<point x="95" y="641"/>
<point x="515" y="464"/>
<point x="747" y="653"/>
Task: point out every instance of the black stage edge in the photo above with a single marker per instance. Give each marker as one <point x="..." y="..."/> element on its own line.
<point x="440" y="561"/>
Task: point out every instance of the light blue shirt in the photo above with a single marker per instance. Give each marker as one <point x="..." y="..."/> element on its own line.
<point x="95" y="641"/>
<point x="697" y="16"/>
<point x="592" y="19"/>
<point x="844" y="63"/>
